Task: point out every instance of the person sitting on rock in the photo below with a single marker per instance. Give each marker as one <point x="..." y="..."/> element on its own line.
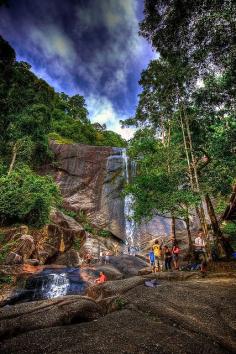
<point x="101" y="279"/>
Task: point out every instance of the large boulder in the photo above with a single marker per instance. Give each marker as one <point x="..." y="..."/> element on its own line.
<point x="66" y="222"/>
<point x="47" y="313"/>
<point x="13" y="258"/>
<point x="59" y="238"/>
<point x="25" y="246"/>
<point x="70" y="258"/>
<point x="128" y="265"/>
<point x="96" y="245"/>
<point x="111" y="272"/>
<point x="113" y="288"/>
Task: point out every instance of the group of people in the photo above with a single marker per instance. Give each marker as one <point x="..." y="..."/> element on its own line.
<point x="164" y="257"/>
<point x="104" y="258"/>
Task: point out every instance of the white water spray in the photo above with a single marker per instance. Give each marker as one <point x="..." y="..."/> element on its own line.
<point x="129" y="171"/>
<point x="54" y="285"/>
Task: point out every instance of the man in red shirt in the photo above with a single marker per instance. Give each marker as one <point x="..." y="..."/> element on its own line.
<point x="102" y="278"/>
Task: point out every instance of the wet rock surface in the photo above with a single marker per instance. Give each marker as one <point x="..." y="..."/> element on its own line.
<point x="194" y="316"/>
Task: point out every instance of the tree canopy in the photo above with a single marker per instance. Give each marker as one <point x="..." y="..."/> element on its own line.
<point x="186" y="110"/>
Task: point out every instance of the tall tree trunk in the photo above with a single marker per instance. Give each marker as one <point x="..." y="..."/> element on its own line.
<point x="191" y="175"/>
<point x="186" y="152"/>
<point x="163" y="133"/>
<point x="219" y="239"/>
<point x="201" y="209"/>
<point x="214" y="222"/>
<point x="190" y="242"/>
<point x="13" y="159"/>
<point x="173" y="229"/>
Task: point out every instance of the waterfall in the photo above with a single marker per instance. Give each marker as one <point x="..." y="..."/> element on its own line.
<point x="129" y="172"/>
<point x="53" y="285"/>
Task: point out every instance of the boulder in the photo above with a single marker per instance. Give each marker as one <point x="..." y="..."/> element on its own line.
<point x="111" y="272"/>
<point x="113" y="288"/>
<point x="95" y="245"/>
<point x="59" y="238"/>
<point x="145" y="271"/>
<point x="66" y="222"/>
<point x="128" y="265"/>
<point x="114" y="334"/>
<point x="70" y="258"/>
<point x="13" y="258"/>
<point x="25" y="246"/>
<point x="48" y="313"/>
<point x="32" y="262"/>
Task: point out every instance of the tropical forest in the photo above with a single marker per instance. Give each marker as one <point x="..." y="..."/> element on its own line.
<point x="117" y="176"/>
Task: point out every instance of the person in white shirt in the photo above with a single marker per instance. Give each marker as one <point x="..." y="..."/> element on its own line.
<point x="200" y="251"/>
<point x="200" y="242"/>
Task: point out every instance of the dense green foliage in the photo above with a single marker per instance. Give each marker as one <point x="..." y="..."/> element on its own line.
<point x="200" y="32"/>
<point x="5" y="279"/>
<point x="160" y="184"/>
<point x="27" y="198"/>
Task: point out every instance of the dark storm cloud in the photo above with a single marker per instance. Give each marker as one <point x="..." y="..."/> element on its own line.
<point x="91" y="47"/>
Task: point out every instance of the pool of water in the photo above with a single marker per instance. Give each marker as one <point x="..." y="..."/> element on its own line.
<point x="51" y="283"/>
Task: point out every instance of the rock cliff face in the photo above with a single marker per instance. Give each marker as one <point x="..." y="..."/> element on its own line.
<point x="91" y="179"/>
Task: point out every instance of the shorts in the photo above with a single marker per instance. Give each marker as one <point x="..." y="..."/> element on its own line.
<point x="175" y="256"/>
<point x="152" y="263"/>
<point x="200" y="255"/>
<point x="158" y="261"/>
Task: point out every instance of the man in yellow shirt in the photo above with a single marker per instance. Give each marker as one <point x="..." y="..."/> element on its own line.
<point x="157" y="249"/>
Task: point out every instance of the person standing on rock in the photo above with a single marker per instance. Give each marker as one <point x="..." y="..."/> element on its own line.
<point x="167" y="257"/>
<point x="200" y="251"/>
<point x="107" y="257"/>
<point x="175" y="255"/>
<point x="152" y="260"/>
<point x="101" y="257"/>
<point x="157" y="249"/>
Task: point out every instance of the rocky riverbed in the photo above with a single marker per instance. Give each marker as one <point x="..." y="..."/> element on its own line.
<point x="191" y="315"/>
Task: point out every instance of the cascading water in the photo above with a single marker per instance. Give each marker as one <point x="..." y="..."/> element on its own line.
<point x="54" y="285"/>
<point x="129" y="172"/>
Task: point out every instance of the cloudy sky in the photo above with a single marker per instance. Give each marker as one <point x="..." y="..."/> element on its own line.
<point x="90" y="47"/>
